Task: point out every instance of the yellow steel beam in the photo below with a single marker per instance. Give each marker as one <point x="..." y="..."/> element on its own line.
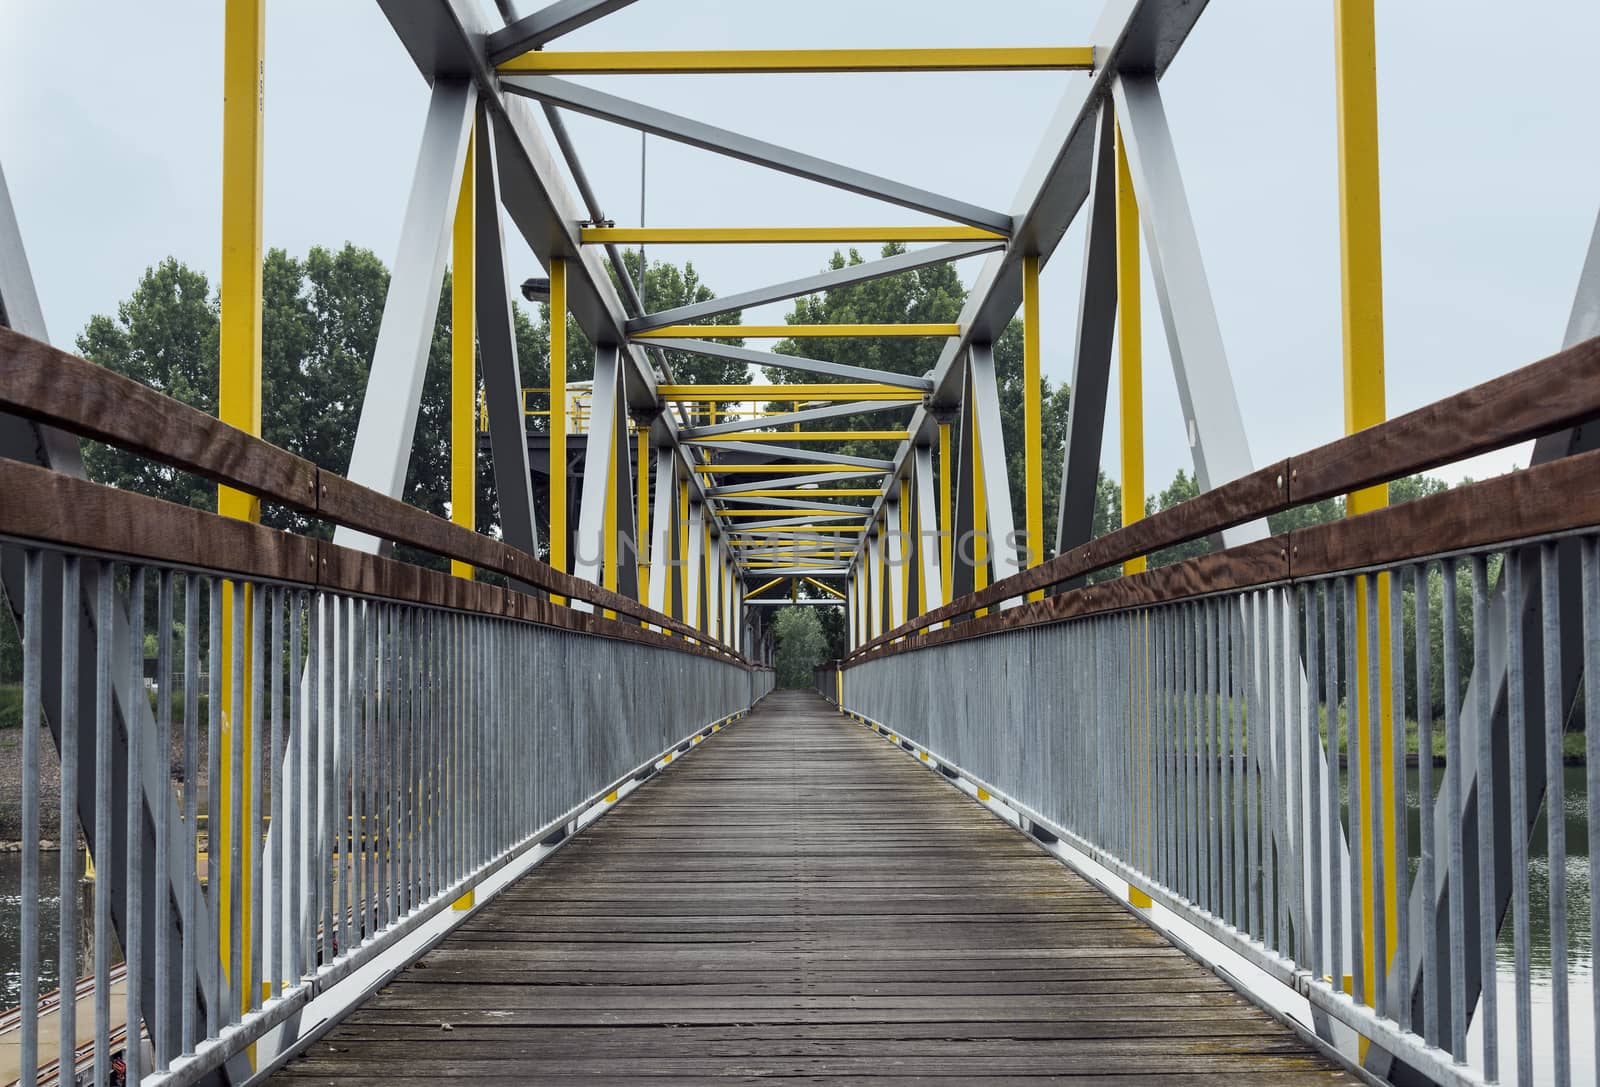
<point x="1032" y="418"/>
<point x="1130" y="346"/>
<point x="785" y="469"/>
<point x="1361" y="280"/>
<point x="239" y="404"/>
<point x="810" y="436"/>
<point x="1070" y="58"/>
<point x="734" y="235"/>
<point x="463" y="376"/>
<point x="825" y="588"/>
<point x="783" y="332"/>
<point x="763" y="588"/>
<point x="843" y="391"/>
<point x="558" y="417"/>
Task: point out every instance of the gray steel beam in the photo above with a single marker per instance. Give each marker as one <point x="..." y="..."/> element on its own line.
<point x="636" y="115"/>
<point x="847" y="276"/>
<point x="896" y="557"/>
<point x="497" y="346"/>
<point x="1091" y="364"/>
<point x="661" y="534"/>
<point x="790" y="452"/>
<point x="928" y="528"/>
<point x="991" y="443"/>
<point x="807" y="519"/>
<point x="805" y="415"/>
<point x="694" y="571"/>
<point x="445" y="40"/>
<point x="388" y="422"/>
<point x="788" y="362"/>
<point x="1131" y="35"/>
<point x="1217" y="438"/>
<point x="799" y="504"/>
<point x="546" y="25"/>
<point x="601" y="446"/>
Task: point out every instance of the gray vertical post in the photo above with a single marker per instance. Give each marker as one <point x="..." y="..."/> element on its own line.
<point x="1091" y="364"/>
<point x="497" y="344"/>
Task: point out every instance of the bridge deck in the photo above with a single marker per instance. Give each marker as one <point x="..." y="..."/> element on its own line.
<point x="799" y="900"/>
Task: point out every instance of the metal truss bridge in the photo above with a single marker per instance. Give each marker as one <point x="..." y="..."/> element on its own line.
<point x="1269" y="814"/>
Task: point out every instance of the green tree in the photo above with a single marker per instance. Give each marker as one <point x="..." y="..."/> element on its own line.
<point x="801" y="645"/>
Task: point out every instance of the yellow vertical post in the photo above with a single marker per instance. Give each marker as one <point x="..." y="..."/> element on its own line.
<point x="463" y="376"/>
<point x="558" y="417"/>
<point x="1032" y="417"/>
<point x="1361" y="282"/>
<point x="947" y="533"/>
<point x="1130" y="344"/>
<point x="463" y="384"/>
<point x="641" y="523"/>
<point x="239" y="404"/>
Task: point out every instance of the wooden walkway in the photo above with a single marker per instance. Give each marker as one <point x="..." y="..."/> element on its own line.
<point x="799" y="900"/>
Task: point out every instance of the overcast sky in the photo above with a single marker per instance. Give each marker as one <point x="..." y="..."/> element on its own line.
<point x="110" y="137"/>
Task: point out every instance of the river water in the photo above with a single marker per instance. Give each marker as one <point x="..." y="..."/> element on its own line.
<point x="1581" y="978"/>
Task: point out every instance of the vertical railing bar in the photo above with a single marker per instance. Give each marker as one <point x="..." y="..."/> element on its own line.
<point x="1591" y="711"/>
<point x="1374" y="814"/>
<point x="1428" y="873"/>
<point x="1555" y="811"/>
<point x="32" y="699"/>
<point x="216" y="1010"/>
<point x="67" y="953"/>
<point x="272" y="915"/>
<point x="316" y="820"/>
<point x="161" y="1026"/>
<point x="236" y="829"/>
<point x="1517" y="731"/>
<point x="295" y="806"/>
<point x="328" y="792"/>
<point x="1334" y="823"/>
<point x="1230" y="660"/>
<point x="102" y="822"/>
<point x="360" y="610"/>
<point x="258" y="709"/>
<point x="1294" y="725"/>
<point x="1452" y="789"/>
<point x="1355" y="771"/>
<point x="133" y="920"/>
<point x="1488" y="1009"/>
<point x="1400" y="997"/>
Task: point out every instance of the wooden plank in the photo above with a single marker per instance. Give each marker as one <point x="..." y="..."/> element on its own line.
<point x="1552" y="394"/>
<point x="801" y="901"/>
<point x="45" y="384"/>
<point x="57" y="509"/>
<point x="1259" y="563"/>
<point x="1560" y="496"/>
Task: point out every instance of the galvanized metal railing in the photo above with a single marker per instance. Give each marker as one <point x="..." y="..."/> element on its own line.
<point x="1229" y="735"/>
<point x="404" y="734"/>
